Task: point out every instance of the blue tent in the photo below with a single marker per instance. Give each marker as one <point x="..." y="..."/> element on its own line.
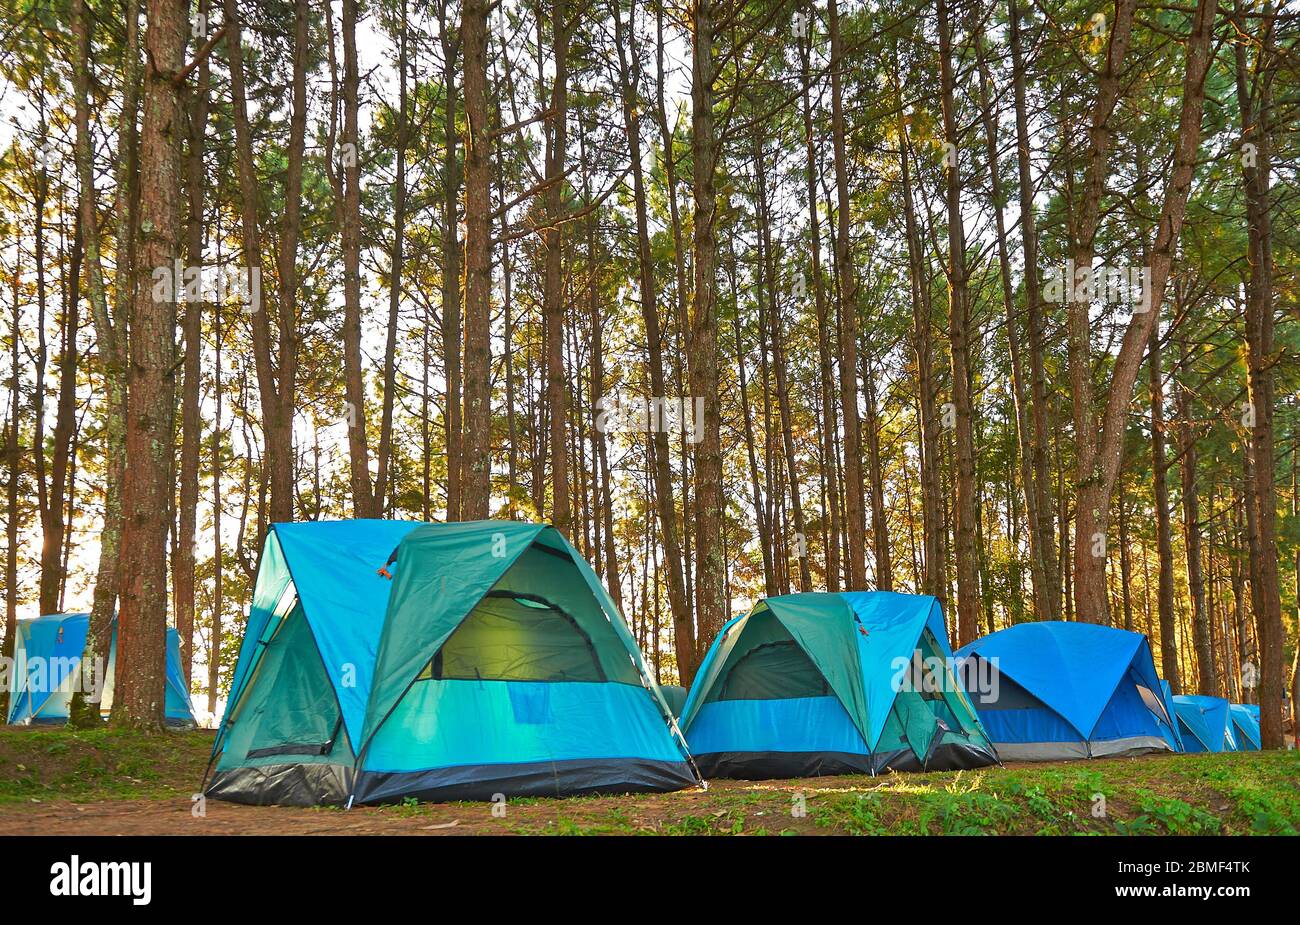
<point x="1206" y="723"/>
<point x="47" y="653"/>
<point x="384" y="660"/>
<point x="1052" y="690"/>
<point x="814" y="684"/>
<point x="1245" y="726"/>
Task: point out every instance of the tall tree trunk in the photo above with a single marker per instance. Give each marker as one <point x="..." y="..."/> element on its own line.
<point x="780" y="368"/>
<point x="933" y="531"/>
<point x="395" y="258"/>
<point x="965" y="526"/>
<point x="1099" y="448"/>
<point x="1024" y="438"/>
<point x="139" y="692"/>
<point x="553" y="282"/>
<point x="277" y="402"/>
<point x="884" y="572"/>
<point x="751" y="451"/>
<point x="192" y="334"/>
<point x="476" y="452"/>
<point x="1125" y="567"/>
<point x="451" y="267"/>
<point x="218" y="564"/>
<point x="1164" y="532"/>
<point x="48" y="585"/>
<point x="678" y="330"/>
<point x="854" y="526"/>
<point x="710" y="500"/>
<point x="1256" y="113"/>
<point x="1207" y="675"/>
<point x="55" y="534"/>
<point x="13" y="463"/>
<point x="1040" y="478"/>
<point x="825" y="380"/>
<point x="354" y="385"/>
<point x="110" y="333"/>
<point x="613" y="580"/>
<point x="661" y="467"/>
<point x="1089" y="548"/>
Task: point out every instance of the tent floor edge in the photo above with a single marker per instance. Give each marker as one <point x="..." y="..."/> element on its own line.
<point x="578" y="777"/>
<point x="1129" y="747"/>
<point x="950" y="756"/>
<point x="282" y="785"/>
<point x="781" y="765"/>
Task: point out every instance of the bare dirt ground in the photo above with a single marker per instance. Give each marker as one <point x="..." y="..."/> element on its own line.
<point x="765" y="805"/>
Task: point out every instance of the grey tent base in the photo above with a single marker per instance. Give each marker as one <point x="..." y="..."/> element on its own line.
<point x="283" y="785"/>
<point x="1072" y="751"/>
<point x="954" y="756"/>
<point x="780" y="765"/>
<point x="170" y="722"/>
<point x="536" y="779"/>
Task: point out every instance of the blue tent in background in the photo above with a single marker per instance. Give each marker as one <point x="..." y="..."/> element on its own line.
<point x="1053" y="690"/>
<point x="814" y="684"/>
<point x="385" y="660"/>
<point x="1245" y="725"/>
<point x="46" y="655"/>
<point x="1206" y="723"/>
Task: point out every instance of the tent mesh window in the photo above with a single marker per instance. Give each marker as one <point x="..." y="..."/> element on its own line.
<point x="1149" y="698"/>
<point x="775" y="670"/>
<point x="513" y="636"/>
<point x="767" y="664"/>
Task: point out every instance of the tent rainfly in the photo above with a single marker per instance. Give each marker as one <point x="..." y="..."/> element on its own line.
<point x="47" y="654"/>
<point x="1245" y="726"/>
<point x="817" y="684"/>
<point x="1051" y="690"/>
<point x="492" y="661"/>
<point x="1168" y="696"/>
<point x="1206" y="723"/>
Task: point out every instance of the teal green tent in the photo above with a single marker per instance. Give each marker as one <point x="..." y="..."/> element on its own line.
<point x="814" y="684"/>
<point x="674" y="696"/>
<point x="386" y="660"/>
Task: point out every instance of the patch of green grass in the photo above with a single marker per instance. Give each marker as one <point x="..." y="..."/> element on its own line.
<point x="1177" y="816"/>
<point x="81" y="765"/>
<point x="717" y="823"/>
<point x="1177" y="794"/>
<point x="1243" y="793"/>
<point x="856" y="816"/>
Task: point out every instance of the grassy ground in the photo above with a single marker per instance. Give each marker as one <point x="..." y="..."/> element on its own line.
<point x="100" y="781"/>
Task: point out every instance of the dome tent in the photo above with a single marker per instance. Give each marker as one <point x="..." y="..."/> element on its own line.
<point x="492" y="661"/>
<point x="816" y="684"/>
<point x="46" y="653"/>
<point x="1206" y="723"/>
<point x="1067" y="690"/>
